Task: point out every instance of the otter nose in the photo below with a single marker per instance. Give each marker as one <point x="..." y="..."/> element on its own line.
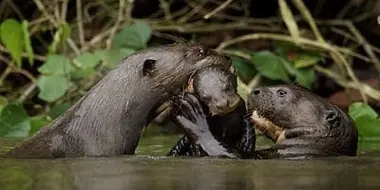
<point x="222" y="104"/>
<point x="256" y="91"/>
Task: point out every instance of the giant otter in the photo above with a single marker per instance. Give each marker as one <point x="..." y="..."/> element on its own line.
<point x="109" y="119"/>
<point x="216" y="89"/>
<point x="302" y="124"/>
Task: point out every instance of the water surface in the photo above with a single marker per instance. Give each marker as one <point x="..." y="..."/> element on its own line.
<point x="145" y="171"/>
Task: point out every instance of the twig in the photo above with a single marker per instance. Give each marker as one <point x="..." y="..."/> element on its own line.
<point x="42" y="8"/>
<point x="166" y="8"/>
<point x="334" y="54"/>
<point x="117" y="23"/>
<point x="27" y="92"/>
<point x="36" y="57"/>
<point x="218" y="9"/>
<point x="303" y="44"/>
<point x="64" y="10"/>
<point x="365" y="44"/>
<point x="368" y="90"/>
<point x="80" y="23"/>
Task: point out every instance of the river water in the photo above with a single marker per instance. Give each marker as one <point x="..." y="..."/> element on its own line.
<point x="149" y="169"/>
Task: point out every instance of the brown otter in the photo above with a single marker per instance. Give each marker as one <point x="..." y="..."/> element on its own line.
<point x="109" y="119"/>
<point x="216" y="89"/>
<point x="303" y="124"/>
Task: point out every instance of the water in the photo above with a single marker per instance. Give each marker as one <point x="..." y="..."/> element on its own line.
<point x="158" y="172"/>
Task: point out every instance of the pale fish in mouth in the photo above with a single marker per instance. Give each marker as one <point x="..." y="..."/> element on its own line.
<point x="269" y="129"/>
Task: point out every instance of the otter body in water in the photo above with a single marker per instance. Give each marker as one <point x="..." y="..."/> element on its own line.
<point x="302" y="124"/>
<point x="216" y="89"/>
<point x="109" y="119"/>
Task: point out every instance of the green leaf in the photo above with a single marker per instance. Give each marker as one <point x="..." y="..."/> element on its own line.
<point x="14" y="122"/>
<point x="3" y="102"/>
<point x="359" y="109"/>
<point x="12" y="36"/>
<point x="113" y="57"/>
<point x="62" y="34"/>
<point x="135" y="36"/>
<point x="28" y="43"/>
<point x="52" y="87"/>
<point x="270" y="66"/>
<point x="243" y="68"/>
<point x="83" y="73"/>
<point x="87" y="60"/>
<point x="305" y="77"/>
<point x="37" y="122"/>
<point x="56" y="64"/>
<point x="58" y="109"/>
<point x="367" y="126"/>
<point x="306" y="60"/>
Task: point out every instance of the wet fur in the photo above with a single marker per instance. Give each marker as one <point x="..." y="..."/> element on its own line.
<point x="109" y="119"/>
<point x="313" y="127"/>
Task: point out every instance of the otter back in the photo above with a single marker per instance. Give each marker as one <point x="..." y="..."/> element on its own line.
<point x="109" y="119"/>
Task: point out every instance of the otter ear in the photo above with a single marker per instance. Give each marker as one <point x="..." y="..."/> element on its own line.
<point x="149" y="67"/>
<point x="331" y="116"/>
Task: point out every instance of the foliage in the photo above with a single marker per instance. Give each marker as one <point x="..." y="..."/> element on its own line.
<point x="58" y="71"/>
<point x="366" y="119"/>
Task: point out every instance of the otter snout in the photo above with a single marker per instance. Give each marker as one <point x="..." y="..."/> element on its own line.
<point x="224" y="106"/>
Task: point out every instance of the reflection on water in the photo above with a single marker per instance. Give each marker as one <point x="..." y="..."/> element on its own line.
<point x="145" y="172"/>
<point x="191" y="173"/>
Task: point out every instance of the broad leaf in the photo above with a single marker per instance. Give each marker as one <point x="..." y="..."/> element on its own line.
<point x="57" y="65"/>
<point x="114" y="57"/>
<point x="359" y="109"/>
<point x="36" y="123"/>
<point x="12" y="36"/>
<point x="305" y="77"/>
<point x="58" y="109"/>
<point x="135" y="36"/>
<point x="52" y="87"/>
<point x="270" y="66"/>
<point x="367" y="126"/>
<point x="14" y="122"/>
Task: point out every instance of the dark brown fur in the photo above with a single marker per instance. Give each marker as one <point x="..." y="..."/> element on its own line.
<point x="109" y="119"/>
<point x="312" y="126"/>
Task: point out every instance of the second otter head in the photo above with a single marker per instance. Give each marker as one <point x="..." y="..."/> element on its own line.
<point x="216" y="87"/>
<point x="289" y="106"/>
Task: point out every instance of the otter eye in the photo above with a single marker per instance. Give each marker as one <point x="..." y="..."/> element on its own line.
<point x="202" y="52"/>
<point x="281" y="93"/>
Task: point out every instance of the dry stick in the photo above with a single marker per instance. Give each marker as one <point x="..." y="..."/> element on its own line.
<point x="64" y="9"/>
<point x="42" y="8"/>
<point x="306" y="44"/>
<point x="117" y="23"/>
<point x="166" y="8"/>
<point x="365" y="44"/>
<point x="80" y="23"/>
<point x="218" y="9"/>
<point x="349" y="36"/>
<point x="335" y="55"/>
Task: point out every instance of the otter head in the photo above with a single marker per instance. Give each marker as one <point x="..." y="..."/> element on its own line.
<point x="216" y="87"/>
<point x="168" y="67"/>
<point x="289" y="106"/>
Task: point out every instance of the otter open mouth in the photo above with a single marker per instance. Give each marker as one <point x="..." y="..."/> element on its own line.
<point x="267" y="127"/>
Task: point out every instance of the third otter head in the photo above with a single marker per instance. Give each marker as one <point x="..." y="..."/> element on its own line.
<point x="311" y="124"/>
<point x="216" y="87"/>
